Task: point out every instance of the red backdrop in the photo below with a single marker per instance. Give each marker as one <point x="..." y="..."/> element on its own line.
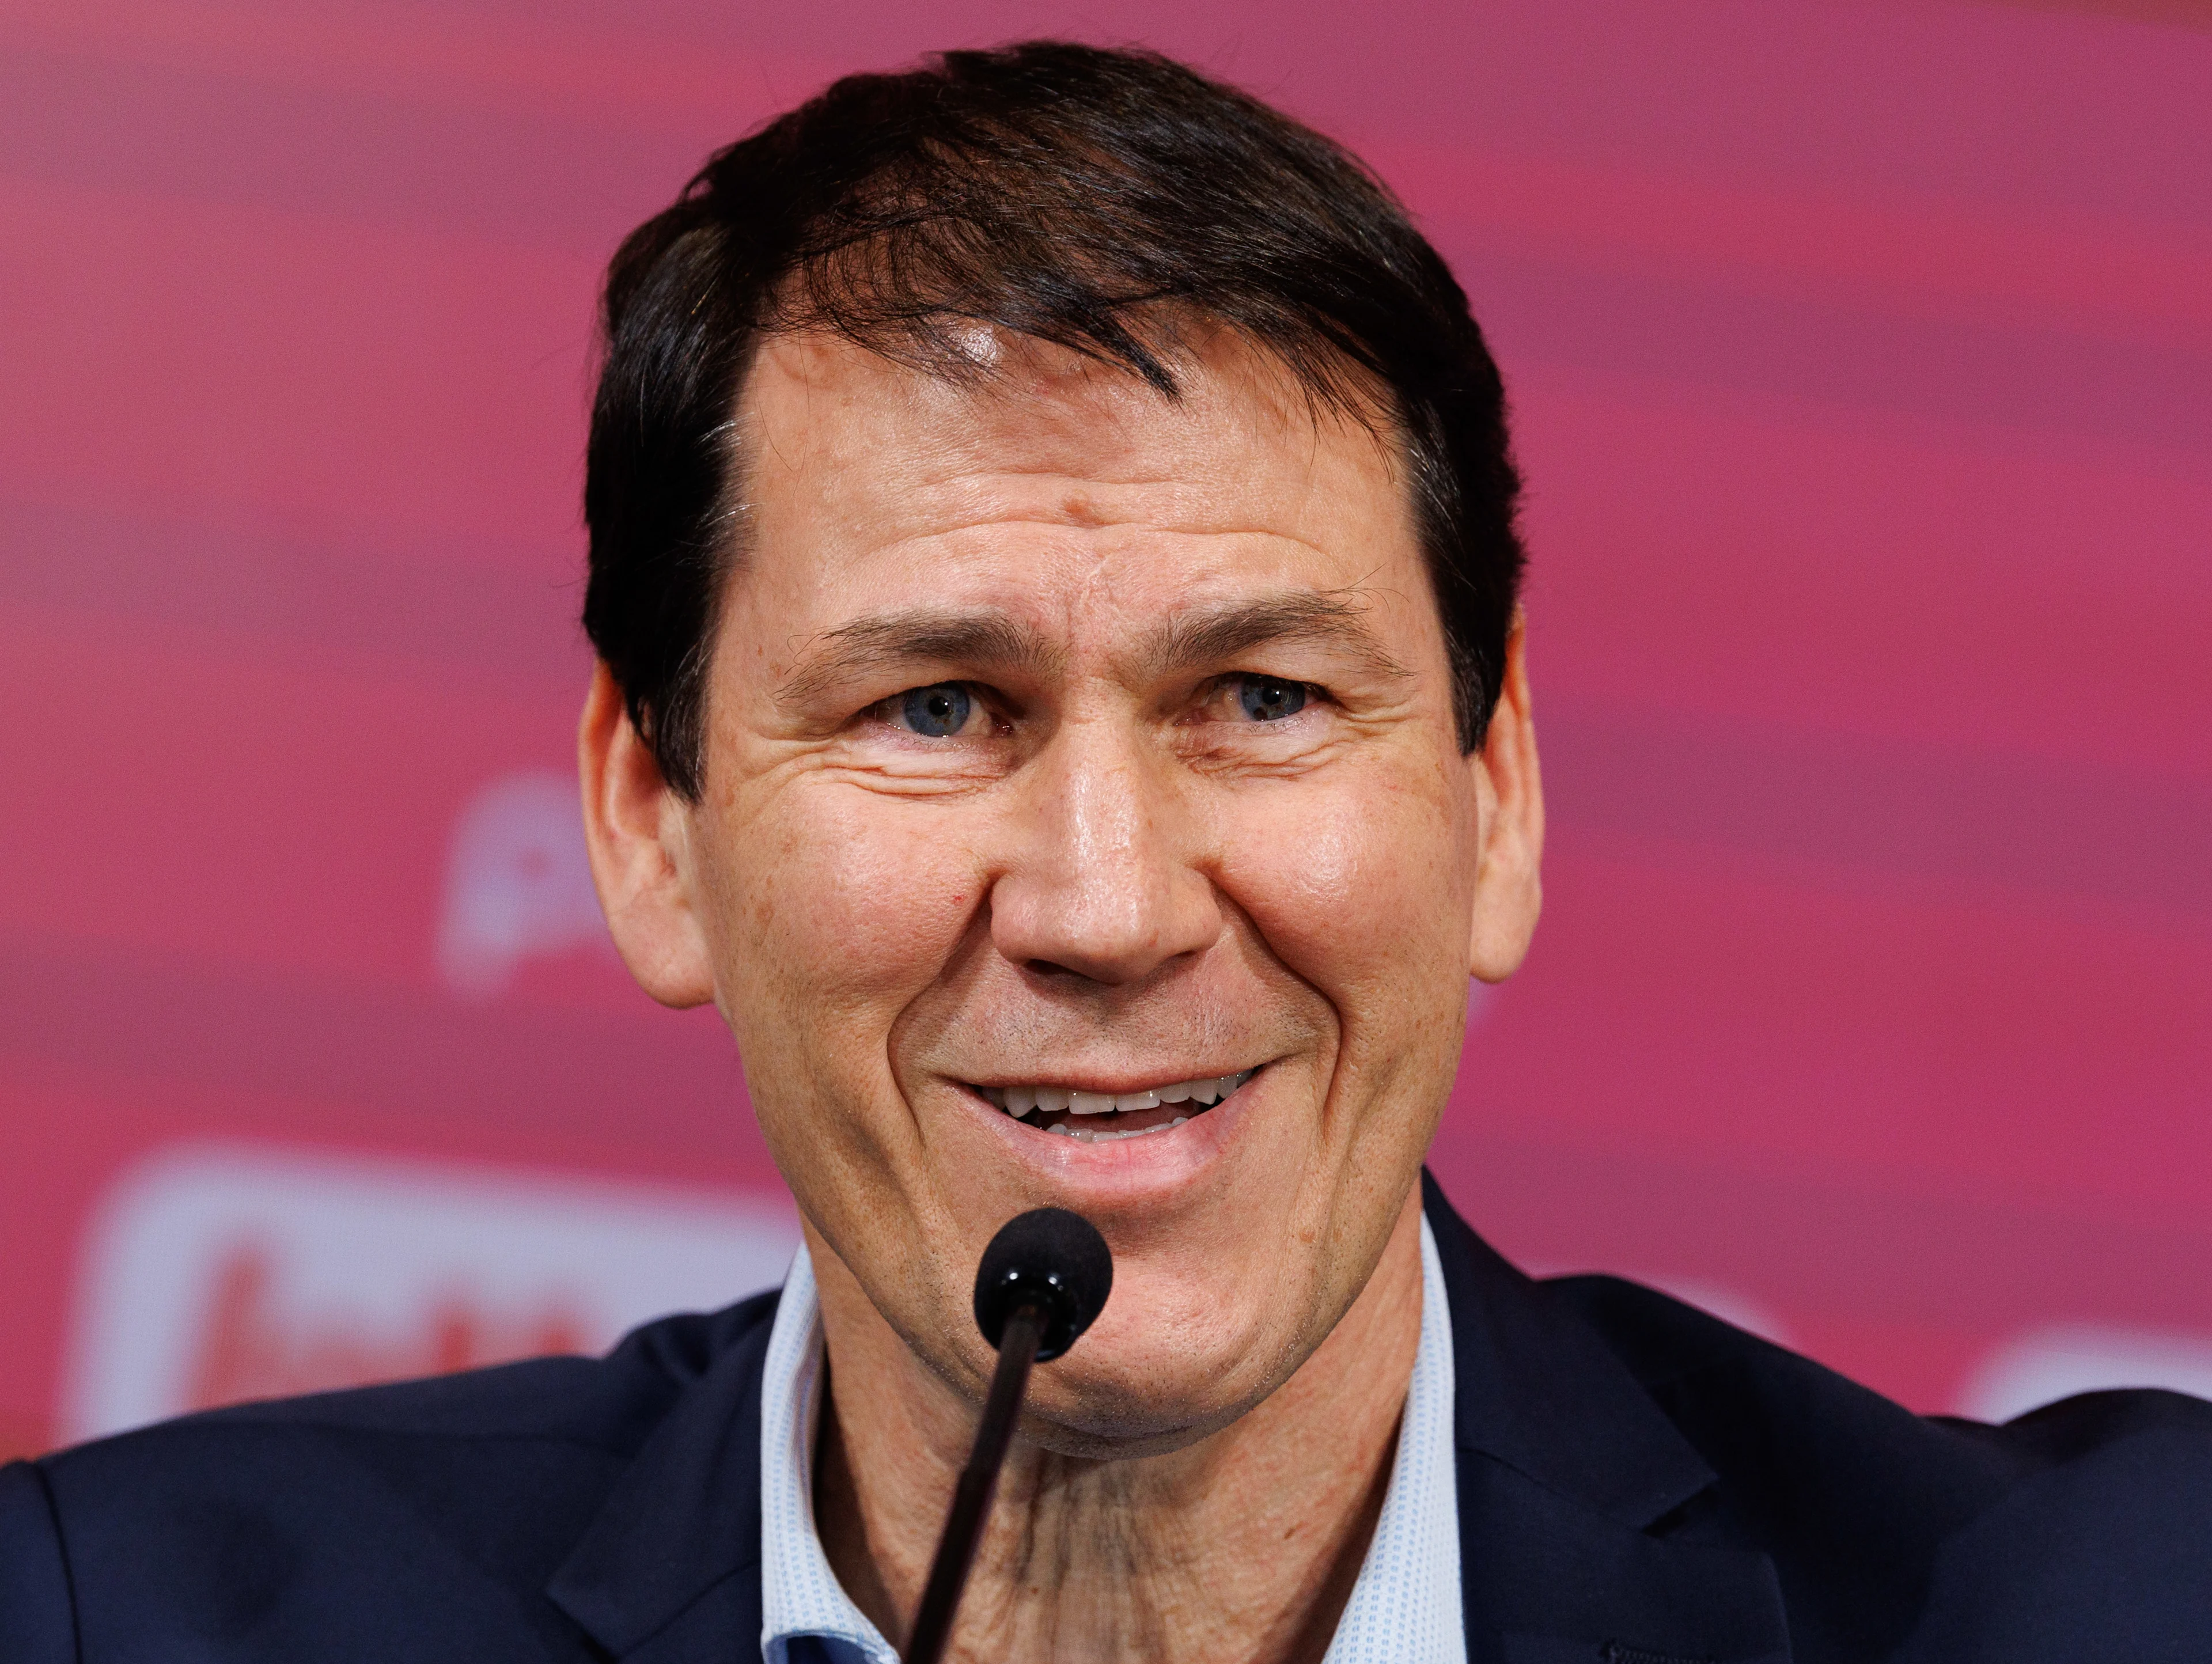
<point x="1861" y="355"/>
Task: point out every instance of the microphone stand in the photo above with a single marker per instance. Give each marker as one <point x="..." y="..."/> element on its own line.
<point x="971" y="1497"/>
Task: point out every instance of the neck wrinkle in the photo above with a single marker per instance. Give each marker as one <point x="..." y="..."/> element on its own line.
<point x="1245" y="1544"/>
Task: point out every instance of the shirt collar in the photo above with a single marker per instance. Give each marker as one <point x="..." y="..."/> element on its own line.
<point x="802" y="1603"/>
<point x="1404" y="1606"/>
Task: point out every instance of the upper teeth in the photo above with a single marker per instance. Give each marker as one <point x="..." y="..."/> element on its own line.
<point x="1020" y="1100"/>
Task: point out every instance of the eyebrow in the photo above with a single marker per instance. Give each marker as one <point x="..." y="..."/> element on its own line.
<point x="850" y="653"/>
<point x="988" y="640"/>
<point x="1209" y="636"/>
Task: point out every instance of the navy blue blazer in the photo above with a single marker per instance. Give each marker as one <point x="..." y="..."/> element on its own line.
<point x="1639" y="1483"/>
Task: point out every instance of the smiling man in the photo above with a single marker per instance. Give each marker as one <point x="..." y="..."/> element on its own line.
<point x="1081" y="817"/>
<point x="1061" y="698"/>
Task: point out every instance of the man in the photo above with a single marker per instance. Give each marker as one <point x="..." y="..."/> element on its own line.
<point x="1061" y="696"/>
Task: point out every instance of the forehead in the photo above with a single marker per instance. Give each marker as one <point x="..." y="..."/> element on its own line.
<point x="858" y="469"/>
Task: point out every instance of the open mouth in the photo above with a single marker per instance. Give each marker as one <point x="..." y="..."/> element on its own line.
<point x="1094" y="1117"/>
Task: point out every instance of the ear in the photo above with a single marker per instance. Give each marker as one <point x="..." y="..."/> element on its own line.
<point x="1509" y="890"/>
<point x="638" y="831"/>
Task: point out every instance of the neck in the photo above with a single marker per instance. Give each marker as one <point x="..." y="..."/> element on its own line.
<point x="1243" y="1545"/>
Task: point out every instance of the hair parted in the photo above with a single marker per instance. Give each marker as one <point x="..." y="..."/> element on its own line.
<point x="1086" y="197"/>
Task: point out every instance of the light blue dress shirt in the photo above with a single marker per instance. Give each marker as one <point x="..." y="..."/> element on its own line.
<point x="1404" y="1609"/>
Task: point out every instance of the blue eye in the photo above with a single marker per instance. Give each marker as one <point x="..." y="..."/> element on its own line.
<point x="1266" y="700"/>
<point x="938" y="712"/>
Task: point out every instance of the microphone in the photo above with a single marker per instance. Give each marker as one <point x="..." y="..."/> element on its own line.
<point x="1045" y="1276"/>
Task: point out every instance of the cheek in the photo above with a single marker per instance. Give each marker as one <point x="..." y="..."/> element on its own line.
<point x="1360" y="885"/>
<point x="834" y="911"/>
<point x="839" y="904"/>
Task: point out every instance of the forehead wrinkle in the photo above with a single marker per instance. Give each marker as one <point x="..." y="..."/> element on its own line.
<point x="1170" y="502"/>
<point x="916" y="635"/>
<point x="1103" y="538"/>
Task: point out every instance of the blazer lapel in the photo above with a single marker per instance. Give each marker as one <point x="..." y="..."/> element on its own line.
<point x="1578" y="1504"/>
<point x="669" y="1572"/>
<point x="1577" y="1497"/>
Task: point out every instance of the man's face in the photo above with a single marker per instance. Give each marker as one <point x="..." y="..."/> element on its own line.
<point x="1076" y="758"/>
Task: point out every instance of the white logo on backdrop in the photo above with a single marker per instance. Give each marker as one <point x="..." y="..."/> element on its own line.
<point x="2058" y="1362"/>
<point x="518" y="882"/>
<point x="213" y="1274"/>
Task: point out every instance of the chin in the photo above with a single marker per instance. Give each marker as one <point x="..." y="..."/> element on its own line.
<point x="1153" y="1382"/>
<point x="1095" y="1422"/>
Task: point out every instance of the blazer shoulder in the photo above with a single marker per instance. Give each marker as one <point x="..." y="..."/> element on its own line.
<point x="612" y="1403"/>
<point x="308" y="1504"/>
<point x="2091" y="1515"/>
<point x="36" y="1625"/>
<point x="1720" y="1381"/>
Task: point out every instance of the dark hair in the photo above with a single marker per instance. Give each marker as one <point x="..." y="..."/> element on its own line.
<point x="1086" y="197"/>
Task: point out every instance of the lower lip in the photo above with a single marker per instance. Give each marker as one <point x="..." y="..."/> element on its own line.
<point x="1145" y="1162"/>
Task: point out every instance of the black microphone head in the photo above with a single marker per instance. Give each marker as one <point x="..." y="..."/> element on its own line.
<point x="1054" y="1258"/>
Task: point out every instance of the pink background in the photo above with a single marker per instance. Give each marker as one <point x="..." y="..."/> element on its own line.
<point x="1862" y="356"/>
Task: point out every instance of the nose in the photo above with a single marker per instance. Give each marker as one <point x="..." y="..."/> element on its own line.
<point x="1101" y="875"/>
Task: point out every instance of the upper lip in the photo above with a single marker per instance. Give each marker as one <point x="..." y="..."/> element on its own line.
<point x="1120" y="1084"/>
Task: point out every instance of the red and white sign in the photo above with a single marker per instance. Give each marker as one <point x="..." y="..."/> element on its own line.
<point x="213" y="1274"/>
<point x="518" y="882"/>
